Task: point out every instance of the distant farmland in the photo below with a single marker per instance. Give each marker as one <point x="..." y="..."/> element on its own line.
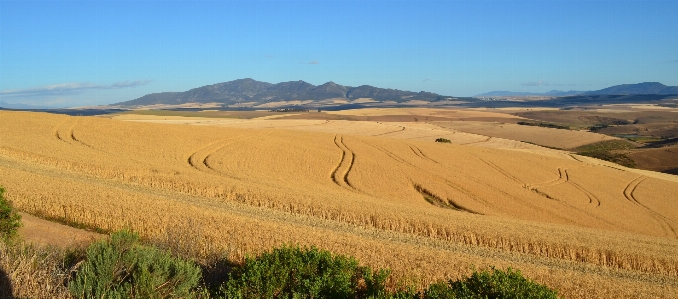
<point x="381" y="191"/>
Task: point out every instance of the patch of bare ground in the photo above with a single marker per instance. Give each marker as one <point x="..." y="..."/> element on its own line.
<point x="48" y="233"/>
<point x="663" y="159"/>
<point x="586" y="118"/>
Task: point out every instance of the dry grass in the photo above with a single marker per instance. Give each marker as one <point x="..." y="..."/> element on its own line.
<point x="32" y="272"/>
<point x="251" y="189"/>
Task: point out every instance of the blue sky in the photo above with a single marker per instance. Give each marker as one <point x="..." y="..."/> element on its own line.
<point x="75" y="53"/>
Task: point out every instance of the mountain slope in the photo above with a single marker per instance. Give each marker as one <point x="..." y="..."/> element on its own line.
<point x="640" y="88"/>
<point x="623" y="89"/>
<point x="249" y="90"/>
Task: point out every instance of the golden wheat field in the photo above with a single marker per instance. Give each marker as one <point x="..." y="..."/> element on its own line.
<point x="382" y="191"/>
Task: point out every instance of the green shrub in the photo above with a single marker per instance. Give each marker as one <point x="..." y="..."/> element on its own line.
<point x="491" y="284"/>
<point x="443" y="140"/>
<point x="10" y="220"/>
<point x="123" y="268"/>
<point x="293" y="272"/>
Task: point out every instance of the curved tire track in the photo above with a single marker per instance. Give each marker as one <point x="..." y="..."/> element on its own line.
<point x="593" y="199"/>
<point x="338" y="175"/>
<point x="561" y="179"/>
<point x="199" y="159"/>
<point x="68" y="135"/>
<point x="417" y="151"/>
<point x="391" y="132"/>
<point x="449" y="183"/>
<point x="474" y="142"/>
<point x="56" y="130"/>
<point x="502" y="171"/>
<point x="663" y="221"/>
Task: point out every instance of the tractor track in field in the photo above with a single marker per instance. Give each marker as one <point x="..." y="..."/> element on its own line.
<point x="502" y="171"/>
<point x="631" y="187"/>
<point x="199" y="159"/>
<point x="664" y="222"/>
<point x="475" y="142"/>
<point x="563" y="177"/>
<point x="196" y="161"/>
<point x="592" y="197"/>
<point x="68" y="135"/>
<point x="402" y="128"/>
<point x="347" y="161"/>
<point x="55" y="131"/>
<point x="449" y="183"/>
<point x="331" y="226"/>
<point x="417" y="151"/>
<point x="223" y="144"/>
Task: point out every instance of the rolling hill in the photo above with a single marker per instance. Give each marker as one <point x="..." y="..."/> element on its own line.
<point x="382" y="192"/>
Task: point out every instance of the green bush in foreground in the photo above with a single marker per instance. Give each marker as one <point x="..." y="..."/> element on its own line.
<point x="10" y="220"/>
<point x="490" y="284"/>
<point x="123" y="268"/>
<point x="293" y="272"/>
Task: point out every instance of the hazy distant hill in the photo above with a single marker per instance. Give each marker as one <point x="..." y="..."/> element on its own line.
<point x="624" y="89"/>
<point x="21" y="106"/>
<point x="552" y="93"/>
<point x="249" y="90"/>
<point x="640" y="88"/>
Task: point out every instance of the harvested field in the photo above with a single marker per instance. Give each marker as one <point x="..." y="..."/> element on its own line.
<point x="564" y="139"/>
<point x="383" y="192"/>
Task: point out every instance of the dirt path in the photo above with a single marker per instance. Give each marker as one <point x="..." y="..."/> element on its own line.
<point x="43" y="232"/>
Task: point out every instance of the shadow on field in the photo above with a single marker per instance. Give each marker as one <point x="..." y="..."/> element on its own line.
<point x="217" y="273"/>
<point x="5" y="286"/>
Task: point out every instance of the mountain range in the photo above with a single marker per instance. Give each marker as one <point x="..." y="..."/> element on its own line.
<point x="624" y="89"/>
<point x="255" y="92"/>
<point x="21" y="106"/>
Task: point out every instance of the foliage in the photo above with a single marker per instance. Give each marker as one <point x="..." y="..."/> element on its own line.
<point x="493" y="283"/>
<point x="293" y="272"/>
<point x="621" y="159"/>
<point x="443" y="140"/>
<point x="10" y="220"/>
<point x="604" y="150"/>
<point x="608" y="145"/>
<point x="543" y="125"/>
<point x="123" y="268"/>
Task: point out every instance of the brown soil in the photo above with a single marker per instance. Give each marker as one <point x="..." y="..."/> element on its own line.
<point x="657" y="159"/>
<point x="589" y="118"/>
<point x="667" y="129"/>
<point x="43" y="232"/>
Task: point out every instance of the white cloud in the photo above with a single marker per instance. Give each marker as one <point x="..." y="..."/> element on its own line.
<point x="68" y="88"/>
<point x="539" y="83"/>
<point x="314" y="62"/>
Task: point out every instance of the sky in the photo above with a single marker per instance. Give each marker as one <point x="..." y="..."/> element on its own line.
<point x="81" y="53"/>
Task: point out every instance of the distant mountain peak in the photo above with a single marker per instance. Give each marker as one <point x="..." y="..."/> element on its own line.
<point x="251" y="91"/>
<point x="623" y="89"/>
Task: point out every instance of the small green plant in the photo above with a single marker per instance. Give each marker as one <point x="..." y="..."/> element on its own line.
<point x="10" y="220"/>
<point x="293" y="272"/>
<point x="443" y="140"/>
<point x="124" y="268"/>
<point x="488" y="284"/>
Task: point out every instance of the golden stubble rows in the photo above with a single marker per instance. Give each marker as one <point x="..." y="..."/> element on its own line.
<point x="233" y="183"/>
